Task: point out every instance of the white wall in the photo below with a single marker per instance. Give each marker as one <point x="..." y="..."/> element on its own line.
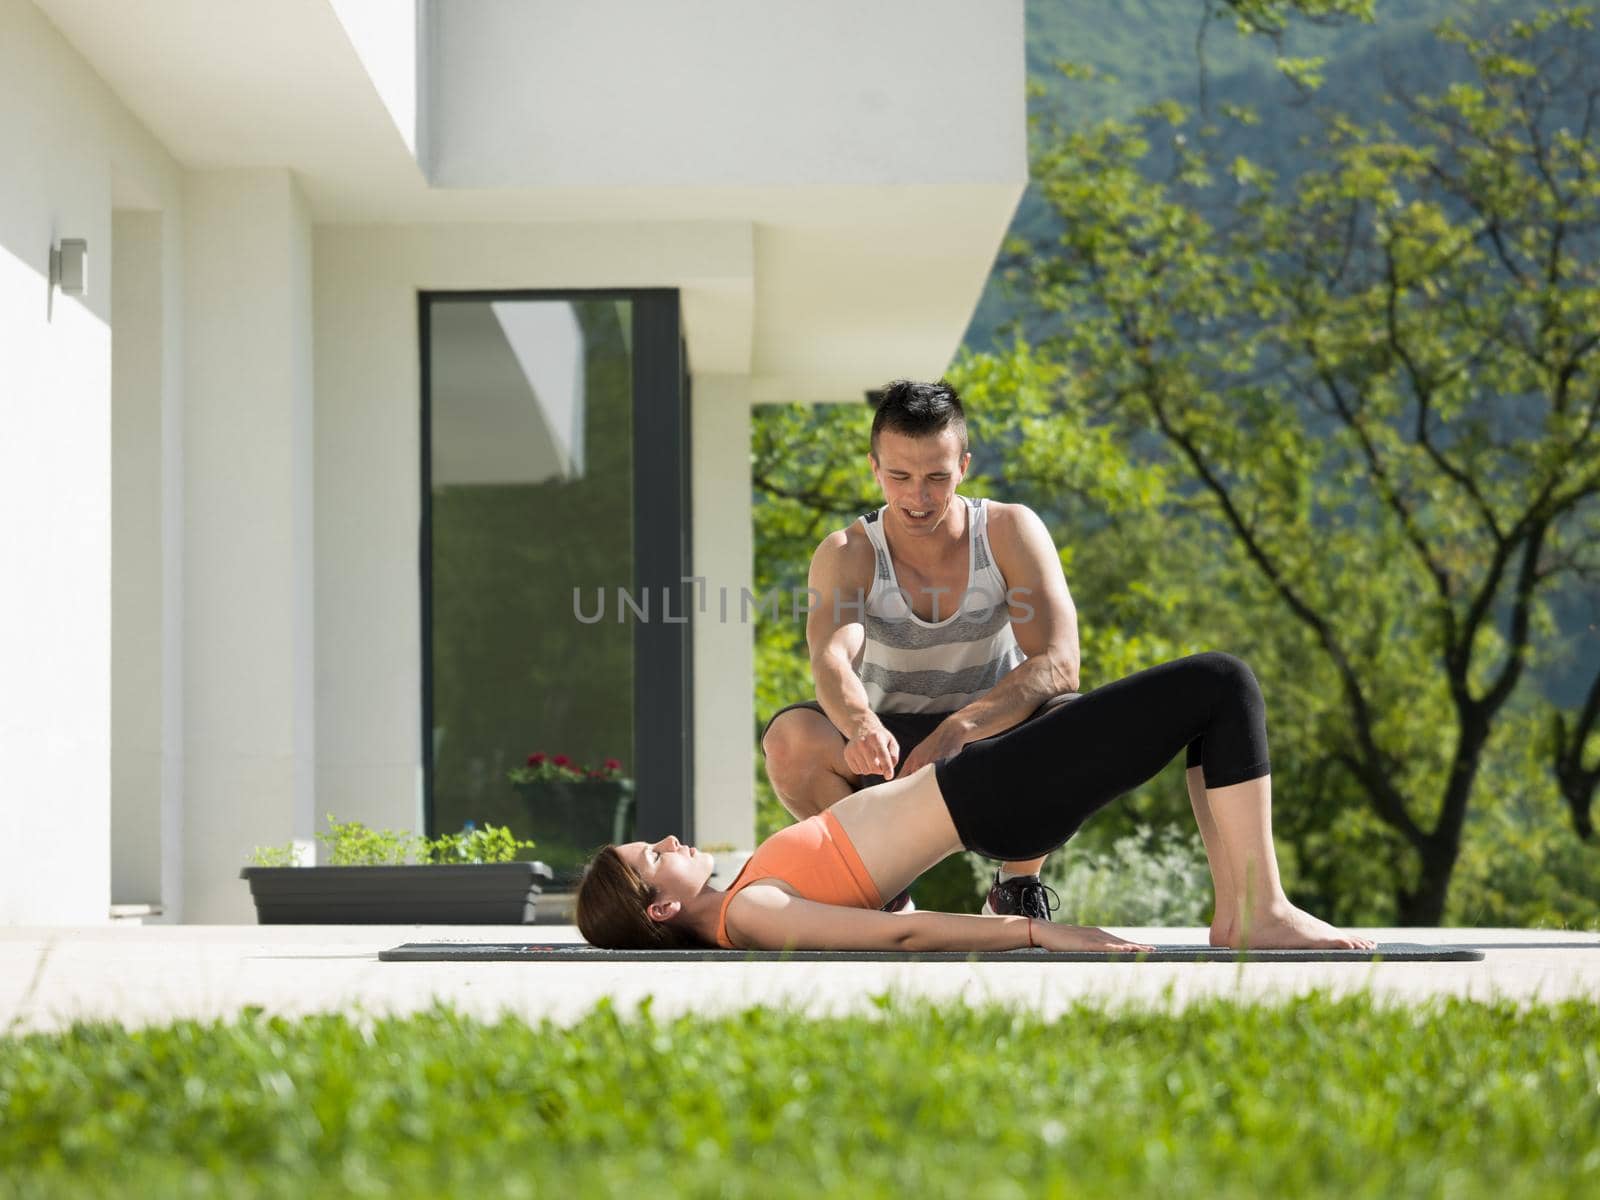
<point x="62" y="136"/>
<point x="368" y="387"/>
<point x="247" y="629"/>
<point x="631" y="93"/>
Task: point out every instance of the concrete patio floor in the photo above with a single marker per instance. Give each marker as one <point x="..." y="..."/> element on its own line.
<point x="152" y="974"/>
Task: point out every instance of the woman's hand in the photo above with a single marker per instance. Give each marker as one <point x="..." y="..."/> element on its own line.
<point x="1049" y="936"/>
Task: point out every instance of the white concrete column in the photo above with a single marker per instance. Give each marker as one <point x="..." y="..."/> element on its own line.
<point x="249" y="651"/>
<point x="172" y="532"/>
<point x="137" y="558"/>
<point x="724" y="646"/>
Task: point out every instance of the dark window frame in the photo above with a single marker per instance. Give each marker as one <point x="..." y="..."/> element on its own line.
<point x="663" y="709"/>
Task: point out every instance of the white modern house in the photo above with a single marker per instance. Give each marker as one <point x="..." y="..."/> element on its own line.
<point x="342" y="340"/>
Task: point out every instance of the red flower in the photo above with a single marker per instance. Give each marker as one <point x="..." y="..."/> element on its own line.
<point x="613" y="764"/>
<point x="535" y="759"/>
<point x="597" y="774"/>
<point x="561" y="760"/>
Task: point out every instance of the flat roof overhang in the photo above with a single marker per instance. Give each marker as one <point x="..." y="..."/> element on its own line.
<point x="876" y="184"/>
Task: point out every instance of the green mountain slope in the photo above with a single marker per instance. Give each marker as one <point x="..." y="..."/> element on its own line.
<point x="1145" y="51"/>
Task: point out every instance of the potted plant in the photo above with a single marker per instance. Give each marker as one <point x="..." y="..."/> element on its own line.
<point x="468" y="878"/>
<point x="572" y="809"/>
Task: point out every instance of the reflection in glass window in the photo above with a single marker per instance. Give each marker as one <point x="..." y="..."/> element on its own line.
<point x="531" y="496"/>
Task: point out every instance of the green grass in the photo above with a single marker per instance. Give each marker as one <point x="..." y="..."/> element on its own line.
<point x="1326" y="1097"/>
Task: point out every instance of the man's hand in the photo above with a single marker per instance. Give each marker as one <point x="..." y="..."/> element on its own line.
<point x="944" y="742"/>
<point x="872" y="750"/>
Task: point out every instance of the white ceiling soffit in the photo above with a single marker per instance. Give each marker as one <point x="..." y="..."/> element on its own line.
<point x="245" y="83"/>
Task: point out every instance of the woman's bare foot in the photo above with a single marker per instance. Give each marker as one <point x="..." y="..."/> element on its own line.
<point x="1286" y="927"/>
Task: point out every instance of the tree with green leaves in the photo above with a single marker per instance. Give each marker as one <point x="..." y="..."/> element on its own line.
<point x="1381" y="379"/>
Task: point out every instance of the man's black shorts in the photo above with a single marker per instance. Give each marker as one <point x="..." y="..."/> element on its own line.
<point x="908" y="728"/>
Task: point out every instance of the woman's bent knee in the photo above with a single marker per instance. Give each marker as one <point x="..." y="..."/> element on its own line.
<point x="1231" y="670"/>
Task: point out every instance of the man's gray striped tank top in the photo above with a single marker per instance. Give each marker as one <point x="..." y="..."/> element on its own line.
<point x="912" y="665"/>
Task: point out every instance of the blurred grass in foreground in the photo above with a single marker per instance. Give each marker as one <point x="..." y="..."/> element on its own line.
<point x="1317" y="1096"/>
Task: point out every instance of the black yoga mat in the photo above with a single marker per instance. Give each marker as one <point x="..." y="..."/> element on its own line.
<point x="582" y="952"/>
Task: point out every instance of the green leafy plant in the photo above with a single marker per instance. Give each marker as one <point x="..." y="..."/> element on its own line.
<point x="1144" y="878"/>
<point x="541" y="767"/>
<point x="491" y="844"/>
<point x="355" y="844"/>
<point x="273" y="856"/>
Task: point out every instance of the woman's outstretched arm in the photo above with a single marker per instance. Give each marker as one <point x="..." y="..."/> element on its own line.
<point x="769" y="918"/>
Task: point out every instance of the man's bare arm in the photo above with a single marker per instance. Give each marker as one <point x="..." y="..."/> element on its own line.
<point x="835" y="633"/>
<point x="1043" y="619"/>
<point x="1046" y="627"/>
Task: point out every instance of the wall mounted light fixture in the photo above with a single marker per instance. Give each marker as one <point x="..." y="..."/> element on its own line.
<point x="69" y="266"/>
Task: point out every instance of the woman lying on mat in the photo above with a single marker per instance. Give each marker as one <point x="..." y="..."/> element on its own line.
<point x="819" y="884"/>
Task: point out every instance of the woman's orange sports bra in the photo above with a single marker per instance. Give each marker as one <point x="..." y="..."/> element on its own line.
<point x="816" y="859"/>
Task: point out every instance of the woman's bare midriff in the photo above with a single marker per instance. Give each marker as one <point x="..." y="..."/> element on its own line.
<point x="899" y="828"/>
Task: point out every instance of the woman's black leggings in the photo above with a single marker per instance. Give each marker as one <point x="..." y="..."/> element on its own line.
<point x="1022" y="793"/>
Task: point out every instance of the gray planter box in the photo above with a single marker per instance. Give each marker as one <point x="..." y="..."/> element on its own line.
<point x="444" y="894"/>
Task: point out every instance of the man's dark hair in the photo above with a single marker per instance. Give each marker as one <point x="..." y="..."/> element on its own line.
<point x="919" y="410"/>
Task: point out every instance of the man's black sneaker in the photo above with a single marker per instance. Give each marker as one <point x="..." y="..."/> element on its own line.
<point x="1021" y="896"/>
<point x="901" y="903"/>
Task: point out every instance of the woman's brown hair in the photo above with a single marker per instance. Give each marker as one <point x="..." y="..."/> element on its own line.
<point x="611" y="905"/>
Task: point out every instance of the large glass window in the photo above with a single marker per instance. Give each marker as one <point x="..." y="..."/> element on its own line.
<point x="533" y="489"/>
